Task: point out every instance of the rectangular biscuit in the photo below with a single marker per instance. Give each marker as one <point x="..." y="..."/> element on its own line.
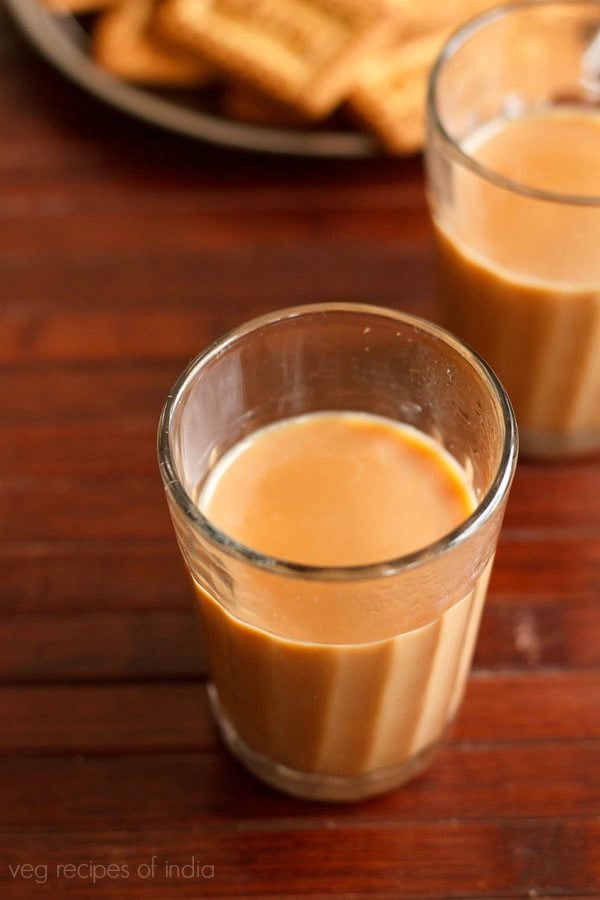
<point x="390" y="91"/>
<point x="416" y="18"/>
<point x="390" y="95"/>
<point x="301" y="52"/>
<point x="124" y="44"/>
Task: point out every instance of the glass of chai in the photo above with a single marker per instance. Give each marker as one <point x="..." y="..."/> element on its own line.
<point x="337" y="476"/>
<point x="513" y="163"/>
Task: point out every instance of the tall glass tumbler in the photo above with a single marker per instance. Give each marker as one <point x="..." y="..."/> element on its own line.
<point x="361" y="710"/>
<point x="513" y="165"/>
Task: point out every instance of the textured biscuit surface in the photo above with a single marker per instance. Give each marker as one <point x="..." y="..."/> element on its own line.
<point x="123" y="43"/>
<point x="285" y="63"/>
<point x="300" y="52"/>
<point x="389" y="95"/>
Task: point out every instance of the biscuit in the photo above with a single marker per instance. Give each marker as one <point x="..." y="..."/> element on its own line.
<point x="123" y="44"/>
<point x="390" y="96"/>
<point x="390" y="92"/>
<point x="302" y="53"/>
<point x="416" y="18"/>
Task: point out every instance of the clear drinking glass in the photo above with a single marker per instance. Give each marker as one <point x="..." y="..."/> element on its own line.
<point x="360" y="713"/>
<point x="519" y="234"/>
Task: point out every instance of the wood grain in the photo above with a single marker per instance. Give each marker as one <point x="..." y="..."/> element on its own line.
<point x="282" y="859"/>
<point x="79" y="576"/>
<point x="132" y="506"/>
<point x="147" y="644"/>
<point x="157" y="716"/>
<point x="201" y="789"/>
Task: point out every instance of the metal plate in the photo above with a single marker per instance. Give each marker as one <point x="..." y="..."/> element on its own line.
<point x="61" y="39"/>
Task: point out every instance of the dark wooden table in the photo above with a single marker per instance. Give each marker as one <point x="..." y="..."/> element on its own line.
<point x="122" y="252"/>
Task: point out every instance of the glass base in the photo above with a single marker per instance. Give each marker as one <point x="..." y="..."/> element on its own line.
<point x="535" y="444"/>
<point x="317" y="785"/>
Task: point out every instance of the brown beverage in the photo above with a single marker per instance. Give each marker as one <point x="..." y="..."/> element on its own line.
<point x="521" y="275"/>
<point x="304" y="676"/>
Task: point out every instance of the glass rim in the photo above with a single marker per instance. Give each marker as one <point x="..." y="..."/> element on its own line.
<point x="483" y="510"/>
<point x="452" y="45"/>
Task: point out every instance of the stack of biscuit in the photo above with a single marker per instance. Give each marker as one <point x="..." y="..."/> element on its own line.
<point x="285" y="63"/>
